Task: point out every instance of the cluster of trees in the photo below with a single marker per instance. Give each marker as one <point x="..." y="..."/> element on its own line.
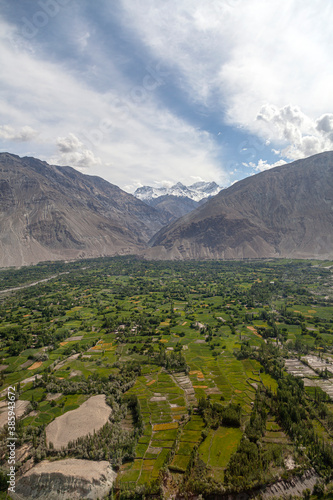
<point x="215" y="414"/>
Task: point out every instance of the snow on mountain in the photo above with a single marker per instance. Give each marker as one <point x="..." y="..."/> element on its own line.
<point x="195" y="192"/>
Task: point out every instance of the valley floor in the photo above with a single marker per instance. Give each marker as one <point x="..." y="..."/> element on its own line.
<point x="218" y="376"/>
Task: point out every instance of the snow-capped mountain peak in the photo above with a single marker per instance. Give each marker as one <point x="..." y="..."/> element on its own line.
<point x="195" y="192"/>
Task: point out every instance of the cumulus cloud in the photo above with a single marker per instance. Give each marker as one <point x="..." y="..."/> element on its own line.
<point x="300" y="135"/>
<point x="73" y="153"/>
<point x="68" y="144"/>
<point x="23" y="134"/>
<point x="324" y="125"/>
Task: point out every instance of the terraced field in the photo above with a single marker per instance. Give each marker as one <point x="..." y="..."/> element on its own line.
<point x="189" y="359"/>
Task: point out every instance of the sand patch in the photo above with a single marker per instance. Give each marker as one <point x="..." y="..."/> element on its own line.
<point x="89" y="417"/>
<point x="36" y="365"/>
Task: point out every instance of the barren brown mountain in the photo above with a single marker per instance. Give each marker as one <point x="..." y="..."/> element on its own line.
<point x="49" y="213"/>
<point x="283" y="212"/>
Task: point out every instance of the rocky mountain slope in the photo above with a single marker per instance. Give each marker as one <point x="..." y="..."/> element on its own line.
<point x="49" y="213"/>
<point x="283" y="212"/>
<point x="178" y="200"/>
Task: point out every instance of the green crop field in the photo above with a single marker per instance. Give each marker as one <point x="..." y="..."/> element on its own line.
<point x="191" y="360"/>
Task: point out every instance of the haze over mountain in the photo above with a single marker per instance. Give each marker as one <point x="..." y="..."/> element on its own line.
<point x="177" y="200"/>
<point x="286" y="211"/>
<point x="49" y="213"/>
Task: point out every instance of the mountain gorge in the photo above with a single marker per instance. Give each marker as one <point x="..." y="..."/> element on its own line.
<point x="50" y="213"/>
<point x="283" y="212"/>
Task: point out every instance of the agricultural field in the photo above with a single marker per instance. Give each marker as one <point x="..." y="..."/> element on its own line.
<point x="173" y="372"/>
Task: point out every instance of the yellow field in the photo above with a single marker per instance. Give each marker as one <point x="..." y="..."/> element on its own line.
<point x="35" y="365"/>
<point x="165" y="427"/>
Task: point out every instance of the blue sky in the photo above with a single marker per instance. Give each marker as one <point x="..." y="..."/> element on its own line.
<point x="155" y="92"/>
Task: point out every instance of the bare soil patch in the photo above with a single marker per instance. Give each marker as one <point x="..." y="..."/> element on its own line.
<point x="89" y="417"/>
<point x="51" y="396"/>
<point x="27" y="363"/>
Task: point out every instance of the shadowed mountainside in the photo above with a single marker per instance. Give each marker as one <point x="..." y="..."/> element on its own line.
<point x="283" y="212"/>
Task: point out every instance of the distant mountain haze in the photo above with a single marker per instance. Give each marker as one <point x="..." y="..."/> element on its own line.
<point x="283" y="212"/>
<point x="49" y="213"/>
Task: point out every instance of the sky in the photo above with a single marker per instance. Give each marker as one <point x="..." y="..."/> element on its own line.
<point x="155" y="92"/>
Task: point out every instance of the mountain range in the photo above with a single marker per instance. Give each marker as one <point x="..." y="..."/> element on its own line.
<point x="195" y="192"/>
<point x="286" y="211"/>
<point x="49" y="212"/>
<point x="177" y="200"/>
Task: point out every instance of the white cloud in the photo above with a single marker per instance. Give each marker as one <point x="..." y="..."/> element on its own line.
<point x="123" y="133"/>
<point x="78" y="159"/>
<point x="73" y="153"/>
<point x="263" y="165"/>
<point x="238" y="56"/>
<point x="23" y="134"/>
<point x="68" y="144"/>
<point x="324" y="124"/>
<point x="300" y="135"/>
